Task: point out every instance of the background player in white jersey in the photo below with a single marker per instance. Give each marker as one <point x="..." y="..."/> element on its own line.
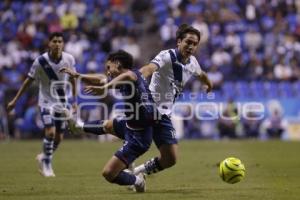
<point x="52" y="96"/>
<point x="170" y="70"/>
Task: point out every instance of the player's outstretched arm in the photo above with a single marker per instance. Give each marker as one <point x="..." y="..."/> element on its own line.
<point x="74" y="93"/>
<point x="91" y="79"/>
<point x="11" y="105"/>
<point x="205" y="80"/>
<point x="99" y="90"/>
<point x="148" y="70"/>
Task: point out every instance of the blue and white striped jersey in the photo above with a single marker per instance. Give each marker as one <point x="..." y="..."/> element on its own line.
<point x="168" y="80"/>
<point x="48" y="77"/>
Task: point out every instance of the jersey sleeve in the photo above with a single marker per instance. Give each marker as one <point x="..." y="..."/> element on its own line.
<point x="73" y="63"/>
<point x="33" y="72"/>
<point x="161" y="59"/>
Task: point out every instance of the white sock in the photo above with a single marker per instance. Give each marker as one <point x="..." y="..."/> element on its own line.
<point x="139" y="169"/>
<point x="138" y="180"/>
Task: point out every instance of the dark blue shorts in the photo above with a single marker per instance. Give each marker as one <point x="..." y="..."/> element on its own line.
<point x="164" y="132"/>
<point x="53" y="119"/>
<point x="136" y="142"/>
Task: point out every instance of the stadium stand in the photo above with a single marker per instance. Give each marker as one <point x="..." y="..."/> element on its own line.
<point x="254" y="45"/>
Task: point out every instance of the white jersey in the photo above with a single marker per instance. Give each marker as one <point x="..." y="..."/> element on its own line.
<point x="48" y="77"/>
<point x="168" y="80"/>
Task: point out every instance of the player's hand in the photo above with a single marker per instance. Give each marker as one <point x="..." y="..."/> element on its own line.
<point x="94" y="90"/>
<point x="10" y="106"/>
<point x="206" y="82"/>
<point x="69" y="71"/>
<point x="209" y="86"/>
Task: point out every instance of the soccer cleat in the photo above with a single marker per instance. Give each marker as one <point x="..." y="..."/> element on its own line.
<point x="45" y="169"/>
<point x="73" y="127"/>
<point x="72" y="124"/>
<point x="50" y="170"/>
<point x="39" y="159"/>
<point x="139" y="188"/>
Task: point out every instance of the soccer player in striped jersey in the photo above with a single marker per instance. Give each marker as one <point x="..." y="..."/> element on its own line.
<point x="135" y="129"/>
<point x="170" y="70"/>
<point x="52" y="96"/>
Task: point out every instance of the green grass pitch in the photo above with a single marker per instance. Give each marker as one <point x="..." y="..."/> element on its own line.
<point x="272" y="172"/>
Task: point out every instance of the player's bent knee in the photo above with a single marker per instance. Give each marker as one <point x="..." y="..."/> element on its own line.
<point x="167" y="162"/>
<point x="108" y="175"/>
<point x="50" y="135"/>
<point x="172" y="162"/>
<point x="50" y="132"/>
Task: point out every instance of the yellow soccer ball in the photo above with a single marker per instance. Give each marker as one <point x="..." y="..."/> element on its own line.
<point x="232" y="170"/>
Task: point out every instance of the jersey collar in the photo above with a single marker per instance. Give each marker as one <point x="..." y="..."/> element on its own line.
<point x="57" y="61"/>
<point x="179" y="57"/>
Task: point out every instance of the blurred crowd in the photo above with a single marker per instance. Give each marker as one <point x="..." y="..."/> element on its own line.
<point x="233" y="122"/>
<point x="242" y="40"/>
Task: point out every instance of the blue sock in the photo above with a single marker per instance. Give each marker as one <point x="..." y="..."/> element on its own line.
<point x="153" y="166"/>
<point x="125" y="178"/>
<point x="48" y="149"/>
<point x="95" y="127"/>
<point x="55" y="145"/>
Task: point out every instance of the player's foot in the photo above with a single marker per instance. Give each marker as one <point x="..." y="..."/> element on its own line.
<point x="72" y="123"/>
<point x="39" y="159"/>
<point x="45" y="169"/>
<point x="50" y="172"/>
<point x="141" y="187"/>
<point x="73" y="126"/>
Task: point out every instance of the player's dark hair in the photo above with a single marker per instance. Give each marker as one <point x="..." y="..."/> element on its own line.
<point x="184" y="29"/>
<point x="55" y="34"/>
<point x="125" y="59"/>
